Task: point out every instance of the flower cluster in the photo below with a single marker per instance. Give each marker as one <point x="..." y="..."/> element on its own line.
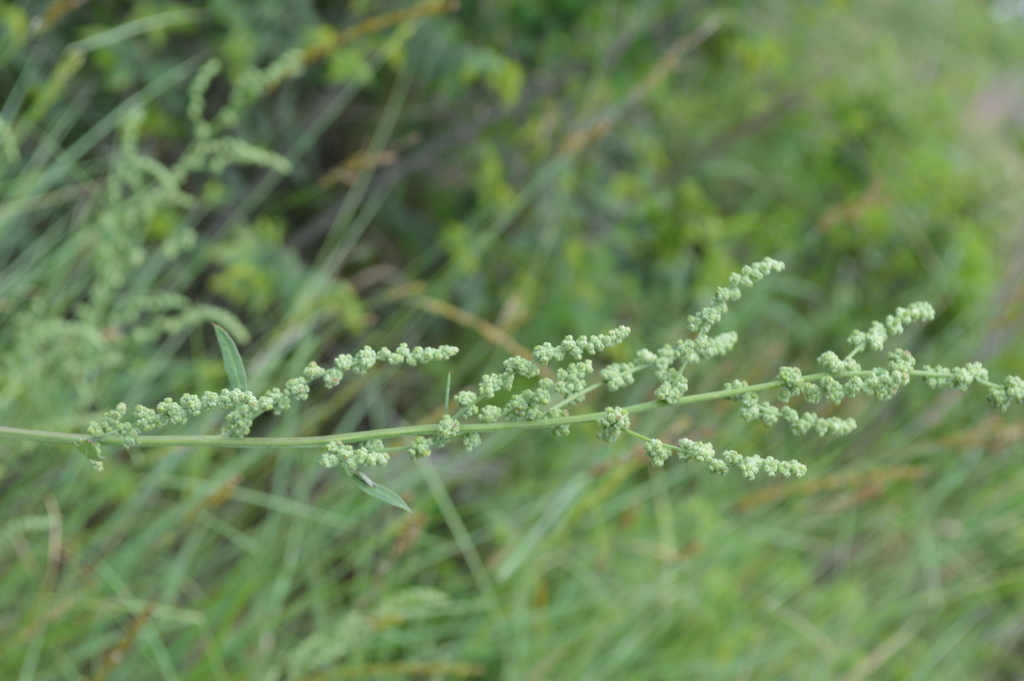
<point x="879" y="332"/>
<point x="688" y="351"/>
<point x="420" y="448"/>
<point x="845" y="378"/>
<point x="957" y="378"/>
<point x="1002" y="396"/>
<point x="370" y="453"/>
<point x="533" y="404"/>
<point x="701" y="322"/>
<point x="704" y="452"/>
<point x="245" y="406"/>
<point x="578" y="348"/>
<point x="753" y="409"/>
<point x="166" y="413"/>
<point x="447" y="430"/>
<point x="614" y="422"/>
<point x="364" y="360"/>
<point x="556" y="388"/>
<point x="880" y="382"/>
<point x="664" y="360"/>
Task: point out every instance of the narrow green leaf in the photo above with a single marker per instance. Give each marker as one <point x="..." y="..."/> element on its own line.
<point x="376" y="490"/>
<point x="232" y="360"/>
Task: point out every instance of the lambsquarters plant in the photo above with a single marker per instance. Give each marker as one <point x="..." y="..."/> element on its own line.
<point x="496" y="405"/>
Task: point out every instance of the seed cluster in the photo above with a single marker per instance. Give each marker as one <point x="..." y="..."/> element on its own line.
<point x="244" y="406"/>
<point x="704" y="452"/>
<point x="561" y="376"/>
<point x="370" y="453"/>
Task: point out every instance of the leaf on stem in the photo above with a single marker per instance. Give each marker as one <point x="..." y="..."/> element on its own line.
<point x="232" y="360"/>
<point x="375" y="490"/>
<point x="91" y="450"/>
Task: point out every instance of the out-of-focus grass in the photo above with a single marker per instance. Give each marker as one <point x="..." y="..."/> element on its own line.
<point x="899" y="556"/>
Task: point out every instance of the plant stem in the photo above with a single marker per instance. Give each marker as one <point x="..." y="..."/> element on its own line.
<point x="8" y="433"/>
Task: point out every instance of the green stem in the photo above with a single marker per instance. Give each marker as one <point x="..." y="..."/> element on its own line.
<point x="7" y="433"/>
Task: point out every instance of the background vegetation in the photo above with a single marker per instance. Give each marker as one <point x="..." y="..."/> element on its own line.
<point x="494" y="176"/>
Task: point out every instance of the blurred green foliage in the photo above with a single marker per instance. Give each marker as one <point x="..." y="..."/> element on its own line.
<point x="491" y="176"/>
